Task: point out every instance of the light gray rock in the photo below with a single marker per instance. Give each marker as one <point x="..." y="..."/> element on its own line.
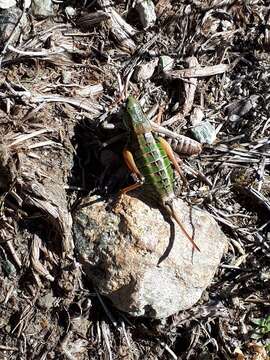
<point x="144" y="71"/>
<point x="5" y="4"/>
<point x="204" y="132"/>
<point x="126" y="255"/>
<point x="9" y="24"/>
<point x="70" y="11"/>
<point x="27" y="4"/>
<point x="166" y="63"/>
<point x="42" y="8"/>
<point x="66" y="76"/>
<point x="196" y="116"/>
<point x="147" y="14"/>
<point x="46" y="302"/>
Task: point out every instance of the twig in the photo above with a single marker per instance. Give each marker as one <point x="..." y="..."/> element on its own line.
<point x="7" y="44"/>
<point x="189" y="93"/>
<point x="137" y="56"/>
<point x="8" y="348"/>
<point x="13" y="253"/>
<point x="125" y="333"/>
<point x="198" y="72"/>
<point x="169" y="350"/>
<point x="162" y="130"/>
<point x="24" y="137"/>
<point x="106" y="338"/>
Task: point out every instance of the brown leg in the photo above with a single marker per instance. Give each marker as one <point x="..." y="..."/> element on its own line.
<point x="129" y="160"/>
<point x="118" y="200"/>
<point x="131" y="187"/>
<point x="169" y="151"/>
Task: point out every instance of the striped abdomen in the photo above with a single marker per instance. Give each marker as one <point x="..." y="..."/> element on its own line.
<point x="154" y="165"/>
<point x="184" y="145"/>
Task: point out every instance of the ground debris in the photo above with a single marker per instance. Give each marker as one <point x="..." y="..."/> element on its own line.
<point x="65" y="73"/>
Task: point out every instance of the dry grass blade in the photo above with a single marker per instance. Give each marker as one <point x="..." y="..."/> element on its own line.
<point x="60" y="53"/>
<point x="35" y="262"/>
<point x="23" y="137"/>
<point x="57" y="217"/>
<point x="259" y="197"/>
<point x="107" y="311"/>
<point x="28" y="97"/>
<point x="90" y="106"/>
<point x="43" y="143"/>
<point x="105" y="334"/>
<point x="198" y="72"/>
<point x="120" y="29"/>
<point x="87" y="21"/>
<point x="14" y="254"/>
<point x="11" y="37"/>
<point x="167" y="348"/>
<point x="140" y="51"/>
<point x="8" y="348"/>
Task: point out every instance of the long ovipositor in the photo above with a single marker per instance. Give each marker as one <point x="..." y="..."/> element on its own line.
<point x="149" y="158"/>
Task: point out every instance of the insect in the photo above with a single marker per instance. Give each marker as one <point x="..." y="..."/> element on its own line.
<point x="149" y="159"/>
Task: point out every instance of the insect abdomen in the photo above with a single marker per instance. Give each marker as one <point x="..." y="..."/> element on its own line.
<point x="154" y="165"/>
<point x="185" y="145"/>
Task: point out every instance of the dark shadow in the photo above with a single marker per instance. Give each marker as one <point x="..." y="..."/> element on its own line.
<point x="193" y="230"/>
<point x="97" y="166"/>
<point x="38" y="224"/>
<point x="171" y="238"/>
<point x="90" y="203"/>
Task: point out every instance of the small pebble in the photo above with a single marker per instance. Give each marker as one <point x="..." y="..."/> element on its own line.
<point x="166" y="63"/>
<point x="8" y="268"/>
<point x="42" y="8"/>
<point x="196" y="116"/>
<point x="46" y="301"/>
<point x="8" y="22"/>
<point x="144" y="71"/>
<point x="265" y="275"/>
<point x="66" y="76"/>
<point x="5" y="4"/>
<point x="70" y="11"/>
<point x="146" y="10"/>
<point x="205" y="132"/>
